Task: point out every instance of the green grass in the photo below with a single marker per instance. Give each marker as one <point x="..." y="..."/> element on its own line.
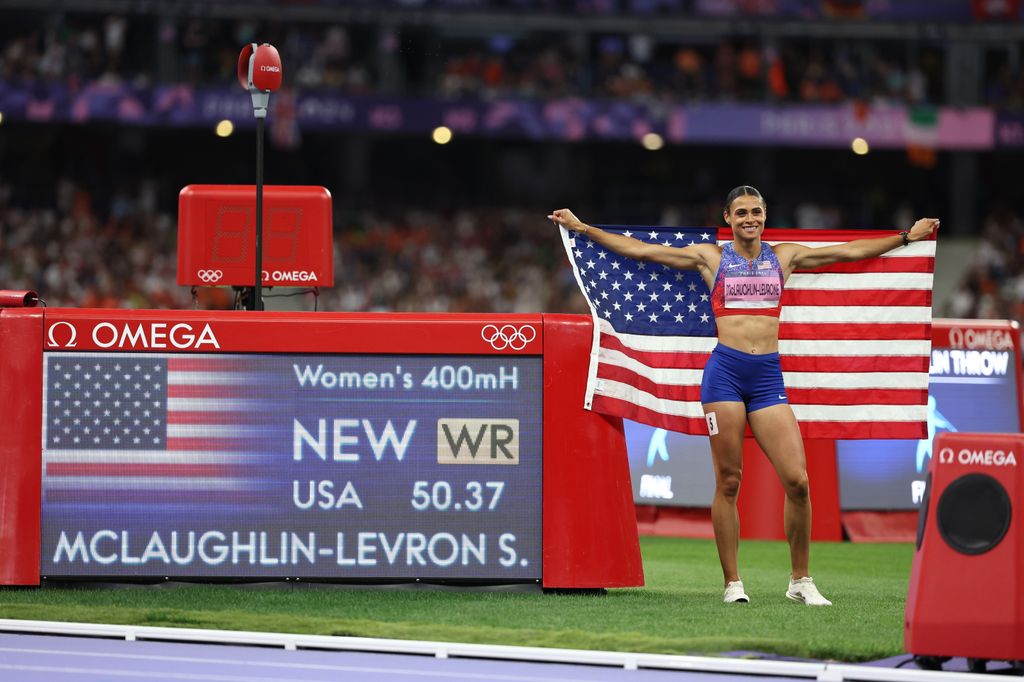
<point x="679" y="611"/>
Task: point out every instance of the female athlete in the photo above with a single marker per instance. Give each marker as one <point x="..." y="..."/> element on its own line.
<point x="742" y="382"/>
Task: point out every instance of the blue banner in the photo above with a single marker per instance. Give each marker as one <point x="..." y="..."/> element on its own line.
<point x="567" y="120"/>
<point x="1010" y="130"/>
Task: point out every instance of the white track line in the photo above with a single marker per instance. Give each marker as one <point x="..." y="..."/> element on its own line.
<point x="825" y="672"/>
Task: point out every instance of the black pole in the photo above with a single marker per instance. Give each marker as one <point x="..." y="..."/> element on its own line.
<point x="258" y="292"/>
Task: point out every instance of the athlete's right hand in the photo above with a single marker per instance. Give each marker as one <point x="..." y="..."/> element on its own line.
<point x="563" y="217"/>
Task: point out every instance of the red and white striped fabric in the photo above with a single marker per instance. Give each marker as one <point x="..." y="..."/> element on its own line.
<point x="854" y="339"/>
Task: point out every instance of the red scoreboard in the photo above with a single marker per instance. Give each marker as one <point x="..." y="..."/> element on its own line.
<point x="151" y="445"/>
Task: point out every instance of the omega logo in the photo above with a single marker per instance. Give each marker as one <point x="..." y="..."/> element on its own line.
<point x="51" y="336"/>
<point x="991" y="339"/>
<point x="966" y="456"/>
<point x="148" y="335"/>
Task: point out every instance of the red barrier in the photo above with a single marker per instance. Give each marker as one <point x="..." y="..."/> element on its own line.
<point x="589" y="517"/>
<point x="762" y="498"/>
<point x="589" y="529"/>
<point x="21" y="404"/>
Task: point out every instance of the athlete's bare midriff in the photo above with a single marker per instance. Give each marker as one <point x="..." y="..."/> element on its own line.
<point x="754" y="334"/>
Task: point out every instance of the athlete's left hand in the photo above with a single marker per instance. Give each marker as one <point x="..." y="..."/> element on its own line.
<point x="923" y="228"/>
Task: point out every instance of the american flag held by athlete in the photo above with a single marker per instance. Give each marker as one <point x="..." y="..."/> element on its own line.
<point x="854" y="338"/>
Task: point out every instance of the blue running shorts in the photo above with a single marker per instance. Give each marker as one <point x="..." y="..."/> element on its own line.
<point x="734" y="376"/>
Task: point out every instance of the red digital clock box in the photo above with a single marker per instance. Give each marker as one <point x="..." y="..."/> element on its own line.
<point x="216" y="236"/>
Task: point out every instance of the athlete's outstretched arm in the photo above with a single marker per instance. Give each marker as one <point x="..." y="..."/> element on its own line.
<point x="685" y="258"/>
<point x="801" y="257"/>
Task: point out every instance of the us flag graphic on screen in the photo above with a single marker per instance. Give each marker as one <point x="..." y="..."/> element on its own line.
<point x="154" y="428"/>
<point x="854" y="338"/>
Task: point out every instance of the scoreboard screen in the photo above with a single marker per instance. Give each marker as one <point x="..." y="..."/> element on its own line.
<point x="266" y="465"/>
<point x="973" y="386"/>
<point x="669" y="469"/>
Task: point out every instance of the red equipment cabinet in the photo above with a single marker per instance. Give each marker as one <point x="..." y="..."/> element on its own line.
<point x="966" y="595"/>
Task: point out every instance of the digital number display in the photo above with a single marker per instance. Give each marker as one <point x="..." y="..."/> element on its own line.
<point x="217" y="236"/>
<point x="233" y="235"/>
<point x="274" y="465"/>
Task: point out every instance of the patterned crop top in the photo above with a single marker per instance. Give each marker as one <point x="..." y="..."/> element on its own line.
<point x="747" y="287"/>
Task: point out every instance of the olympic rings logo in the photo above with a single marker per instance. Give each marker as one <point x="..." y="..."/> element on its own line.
<point x="210" y="276"/>
<point x="508" y="336"/>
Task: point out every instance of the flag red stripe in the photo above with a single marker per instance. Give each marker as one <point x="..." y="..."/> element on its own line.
<point x="863" y="297"/>
<point x="202" y="391"/>
<point x="857" y="396"/>
<point x="210" y="444"/>
<point x="621" y="408"/>
<point x="121" y="469"/>
<point x="668" y="359"/>
<point x="216" y="417"/>
<point x="913" y="331"/>
<point x="902" y="264"/>
<point x="187" y="364"/>
<point x="855" y="430"/>
<point x="854" y="363"/>
<point x="189" y="497"/>
<point x="666" y="391"/>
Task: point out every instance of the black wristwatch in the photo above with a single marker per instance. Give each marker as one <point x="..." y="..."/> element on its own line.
<point x="905" y="236"/>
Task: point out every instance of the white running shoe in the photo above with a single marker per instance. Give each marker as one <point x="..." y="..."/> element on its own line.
<point x="734" y="593"/>
<point x="804" y="591"/>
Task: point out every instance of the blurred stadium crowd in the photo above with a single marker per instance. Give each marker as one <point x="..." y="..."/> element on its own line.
<point x="116" y="248"/>
<point x="993" y="287"/>
<point x="122" y="255"/>
<point x="366" y="58"/>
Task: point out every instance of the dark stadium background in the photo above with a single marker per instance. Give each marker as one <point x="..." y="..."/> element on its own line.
<point x="88" y="202"/>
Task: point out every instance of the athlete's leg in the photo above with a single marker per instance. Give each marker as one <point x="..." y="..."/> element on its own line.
<point x="726" y="425"/>
<point x="777" y="433"/>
